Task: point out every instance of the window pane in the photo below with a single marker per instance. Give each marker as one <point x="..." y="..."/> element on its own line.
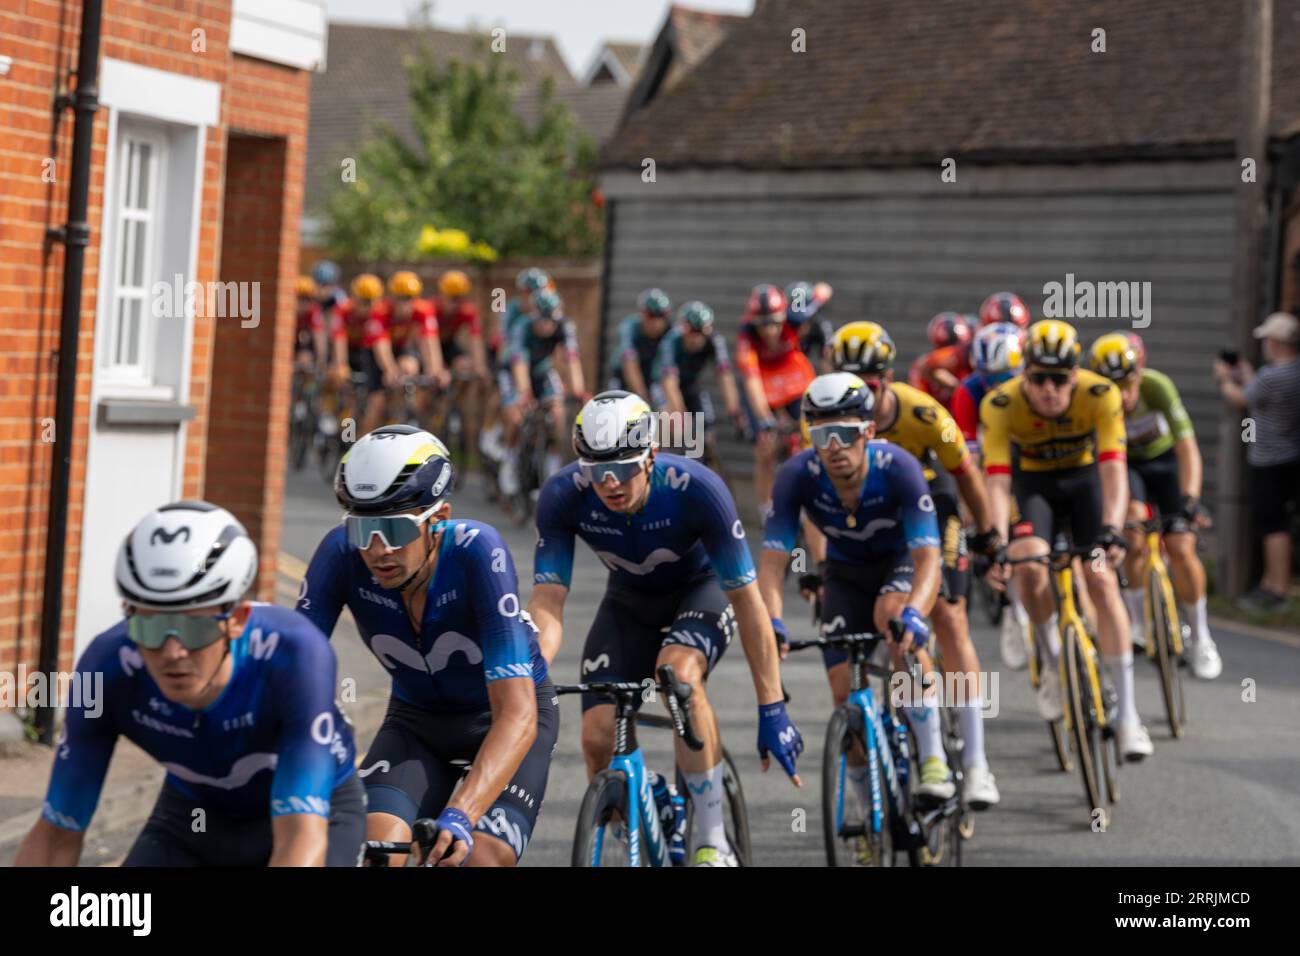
<point x="128" y="179"/>
<point x="143" y="170"/>
<point x="124" y="248"/>
<point x="137" y="252"/>
<point x="133" y="327"/>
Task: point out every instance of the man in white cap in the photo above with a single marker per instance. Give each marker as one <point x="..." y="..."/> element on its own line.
<point x="1272" y="397"/>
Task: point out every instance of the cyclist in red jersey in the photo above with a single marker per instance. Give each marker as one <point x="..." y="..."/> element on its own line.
<point x="458" y="326"/>
<point x="310" y="341"/>
<point x="775" y="373"/>
<point x="1004" y="307"/>
<point x="412" y="327"/>
<point x="940" y="371"/>
<point x="361" y="346"/>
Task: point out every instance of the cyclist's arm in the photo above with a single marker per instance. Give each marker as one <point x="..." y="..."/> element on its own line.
<point x="999" y="491"/>
<point x="1112" y="452"/>
<point x="571" y="359"/>
<point x="553" y="561"/>
<point x="519" y="369"/>
<point x="431" y="347"/>
<point x="1161" y="393"/>
<point x="759" y="641"/>
<point x="920" y="529"/>
<point x="324" y="589"/>
<point x="631" y="369"/>
<point x="513" y="731"/>
<point x="303" y="681"/>
<point x="478" y="345"/>
<point x="1114" y="491"/>
<point x="752" y="380"/>
<point x="321" y="338"/>
<point x="976" y="496"/>
<point x="771" y="579"/>
<point x="383" y="349"/>
<point x="673" y="392"/>
<point x="726" y="378"/>
<point x="48" y="845"/>
<point x="1190" y="466"/>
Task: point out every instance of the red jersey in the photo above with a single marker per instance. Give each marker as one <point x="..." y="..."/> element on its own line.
<point x="785" y="371"/>
<point x="451" y="321"/>
<point x="310" y="316"/>
<point x="360" y="332"/>
<point x="954" y="359"/>
<point x="422" y="322"/>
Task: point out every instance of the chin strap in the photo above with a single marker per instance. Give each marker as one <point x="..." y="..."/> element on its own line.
<point x="198" y="714"/>
<point x="434" y="529"/>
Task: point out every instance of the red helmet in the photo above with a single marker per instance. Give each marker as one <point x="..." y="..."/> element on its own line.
<point x="1004" y="307"/>
<point x="1138" y="348"/>
<point x="949" y="328"/>
<point x="766" y="301"/>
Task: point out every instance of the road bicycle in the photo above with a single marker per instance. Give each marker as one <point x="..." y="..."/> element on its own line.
<point x="1087" y="699"/>
<point x="621" y="822"/>
<point x="332" y="437"/>
<point x="304" y="413"/>
<point x="896" y="820"/>
<point x="1164" y="629"/>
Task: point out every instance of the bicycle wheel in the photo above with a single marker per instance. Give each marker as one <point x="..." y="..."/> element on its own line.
<point x="1164" y="621"/>
<point x="992" y="600"/>
<point x="300" y="434"/>
<point x="1082" y="726"/>
<point x="1055" y="728"/>
<point x="850" y="843"/>
<point x="600" y="838"/>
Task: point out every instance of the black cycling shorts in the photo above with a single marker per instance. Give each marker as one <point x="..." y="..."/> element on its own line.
<point x="1275" y="487"/>
<point x="169" y="839"/>
<point x="1154" y="482"/>
<point x="631" y="627"/>
<point x="1050" y="501"/>
<point x="418" y="757"/>
<point x="363" y="361"/>
<point x="952" y="537"/>
<point x="849" y="593"/>
<point x="699" y="402"/>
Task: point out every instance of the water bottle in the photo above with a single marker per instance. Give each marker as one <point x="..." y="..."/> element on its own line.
<point x="671" y="807"/>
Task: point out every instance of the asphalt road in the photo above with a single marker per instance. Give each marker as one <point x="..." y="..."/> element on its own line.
<point x="1227" y="793"/>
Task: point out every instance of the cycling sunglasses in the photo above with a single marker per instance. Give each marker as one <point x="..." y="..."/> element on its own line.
<point x="1059" y="379"/>
<point x="195" y="633"/>
<point x="846" y="433"/>
<point x="598" y="472"/>
<point x="396" y="531"/>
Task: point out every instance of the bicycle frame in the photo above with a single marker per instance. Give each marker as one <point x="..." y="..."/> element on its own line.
<point x="873" y="732"/>
<point x="1067" y="614"/>
<point x="644" y="817"/>
<point x="1155" y="563"/>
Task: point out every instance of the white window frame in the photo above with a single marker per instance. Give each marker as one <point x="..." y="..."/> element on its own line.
<point x="139" y="375"/>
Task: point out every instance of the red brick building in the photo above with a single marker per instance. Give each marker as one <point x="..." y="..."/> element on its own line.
<point x="197" y="171"/>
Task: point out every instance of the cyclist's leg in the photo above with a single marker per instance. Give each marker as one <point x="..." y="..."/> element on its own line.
<point x="347" y="829"/>
<point x="952" y="623"/>
<point x="376" y="395"/>
<point x="1082" y="489"/>
<point x="404" y="777"/>
<point x="621" y="645"/>
<point x="1135" y="561"/>
<point x="167" y="838"/>
<point x="503" y="831"/>
<point x="1029" y="538"/>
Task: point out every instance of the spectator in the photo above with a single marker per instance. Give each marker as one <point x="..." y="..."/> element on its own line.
<point x="1273" y="399"/>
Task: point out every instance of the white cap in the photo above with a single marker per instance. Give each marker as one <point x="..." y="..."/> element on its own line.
<point x="1281" y="327"/>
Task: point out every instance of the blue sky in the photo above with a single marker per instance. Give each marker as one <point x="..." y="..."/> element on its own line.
<point x="579" y="26"/>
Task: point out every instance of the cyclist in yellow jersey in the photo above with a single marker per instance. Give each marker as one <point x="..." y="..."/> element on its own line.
<point x="1066" y="425"/>
<point x="918" y="423"/>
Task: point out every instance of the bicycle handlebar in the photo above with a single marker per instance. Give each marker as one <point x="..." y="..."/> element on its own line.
<point x="424" y="832"/>
<point x="676" y="693"/>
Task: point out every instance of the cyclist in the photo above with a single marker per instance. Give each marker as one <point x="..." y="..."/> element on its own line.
<point x="997" y="354"/>
<point x="1164" y="471"/>
<point x="774" y="373"/>
<point x="1004" y="307"/>
<point x="234" y="697"/>
<point x="362" y="347"/>
<point x="528" y="284"/>
<point x="1066" y="426"/>
<point x="457" y="314"/>
<point x="914" y="421"/>
<point x="684" y="354"/>
<point x="411" y="325"/>
<point x="639" y="337"/>
<point x="870" y="500"/>
<point x="325" y="274"/>
<point x="310" y="340"/>
<point x="804" y="302"/>
<point x="939" y="371"/>
<point x="681" y="583"/>
<point x="437" y="602"/>
<point x="542" y="354"/>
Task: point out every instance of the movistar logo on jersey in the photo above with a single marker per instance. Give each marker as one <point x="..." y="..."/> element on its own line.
<point x="464" y="535"/>
<point x="677" y="482"/>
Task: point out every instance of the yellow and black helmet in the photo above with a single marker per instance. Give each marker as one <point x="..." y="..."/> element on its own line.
<point x="863" y="348"/>
<point x="1052" y="343"/>
<point x="1115" y="356"/>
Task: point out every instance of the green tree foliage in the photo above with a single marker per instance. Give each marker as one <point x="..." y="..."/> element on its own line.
<point x="523" y="190"/>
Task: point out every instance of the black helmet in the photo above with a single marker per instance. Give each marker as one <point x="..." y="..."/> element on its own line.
<point x="613" y="426"/>
<point x="837" y="394"/>
<point x="394" y="468"/>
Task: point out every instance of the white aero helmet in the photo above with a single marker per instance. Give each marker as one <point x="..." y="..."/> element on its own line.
<point x="613" y="426"/>
<point x="186" y="555"/>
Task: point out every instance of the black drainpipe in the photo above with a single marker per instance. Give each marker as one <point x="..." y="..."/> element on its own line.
<point x="75" y="236"/>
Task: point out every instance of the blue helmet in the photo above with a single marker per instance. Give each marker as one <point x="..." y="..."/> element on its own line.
<point x="548" y="305"/>
<point x="325" y="272"/>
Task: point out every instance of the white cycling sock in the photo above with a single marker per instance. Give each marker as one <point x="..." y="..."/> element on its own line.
<point x="705" y="788"/>
<point x="970" y="720"/>
<point x="1136" y="615"/>
<point x="925" y="725"/>
<point x="1200" y="621"/>
<point x="1051" y="638"/>
<point x="1121" y="673"/>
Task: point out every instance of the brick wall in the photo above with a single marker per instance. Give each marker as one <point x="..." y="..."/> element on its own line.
<point x="41" y="36"/>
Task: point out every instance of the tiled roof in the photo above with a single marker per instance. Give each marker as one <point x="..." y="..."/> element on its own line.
<point x="887" y="82"/>
<point x="629" y="56"/>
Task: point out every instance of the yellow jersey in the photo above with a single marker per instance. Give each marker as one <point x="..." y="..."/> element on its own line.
<point x="923" y="427"/>
<point x="1091" y="429"/>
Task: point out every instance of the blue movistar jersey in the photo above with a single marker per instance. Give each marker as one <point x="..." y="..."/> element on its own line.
<point x="273" y="742"/>
<point x="472" y="632"/>
<point x="894" y="513"/>
<point x="633" y="343"/>
<point x="687" y="530"/>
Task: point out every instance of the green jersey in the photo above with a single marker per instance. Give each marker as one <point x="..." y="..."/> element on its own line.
<point x="1159" y="419"/>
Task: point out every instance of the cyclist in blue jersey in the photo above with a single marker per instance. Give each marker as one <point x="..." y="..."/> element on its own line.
<point x="639" y="337"/>
<point x="681" y="583"/>
<point x="871" y="500"/>
<point x="437" y="602"/>
<point x="544" y="361"/>
<point x="684" y="354"/>
<point x="234" y="698"/>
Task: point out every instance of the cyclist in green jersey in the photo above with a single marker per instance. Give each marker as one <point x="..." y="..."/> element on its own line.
<point x="1164" y="476"/>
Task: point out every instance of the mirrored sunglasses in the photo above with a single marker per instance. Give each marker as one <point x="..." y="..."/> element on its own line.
<point x="396" y="531"/>
<point x="598" y="472"/>
<point x="194" y="633"/>
<point x="846" y="433"/>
